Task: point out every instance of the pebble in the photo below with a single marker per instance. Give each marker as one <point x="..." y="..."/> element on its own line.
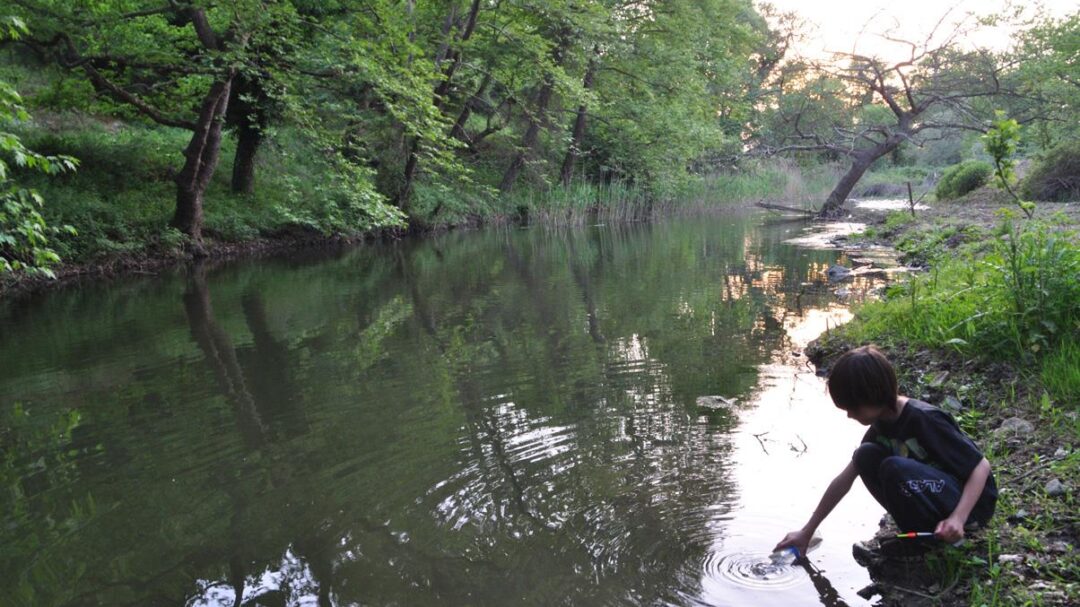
<point x="938" y="379"/>
<point x="1061" y="453"/>
<point x="1055" y="488"/>
<point x="837" y="272"/>
<point x="716" y="402"/>
<point x="1059" y="547"/>
<point x="1016" y="426"/>
<point x="1020" y="516"/>
<point x="1011" y="558"/>
<point x="952" y="404"/>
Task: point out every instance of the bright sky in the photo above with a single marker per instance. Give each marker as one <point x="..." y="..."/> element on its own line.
<point x="835" y="25"/>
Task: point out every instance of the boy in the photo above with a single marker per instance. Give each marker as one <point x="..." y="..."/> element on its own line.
<point x="914" y="459"/>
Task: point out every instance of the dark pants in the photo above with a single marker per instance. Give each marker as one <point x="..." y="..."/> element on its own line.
<point x="917" y="496"/>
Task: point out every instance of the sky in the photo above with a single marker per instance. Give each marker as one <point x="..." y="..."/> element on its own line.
<point x="837" y="25"/>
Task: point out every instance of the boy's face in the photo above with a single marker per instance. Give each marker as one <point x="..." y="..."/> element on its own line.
<point x="865" y="414"/>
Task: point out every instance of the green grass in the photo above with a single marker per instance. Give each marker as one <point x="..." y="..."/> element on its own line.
<point x="1060" y="371"/>
<point x="1013" y="299"/>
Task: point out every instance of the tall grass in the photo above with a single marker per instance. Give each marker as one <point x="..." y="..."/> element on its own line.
<point x="1013" y="300"/>
<point x="775" y="179"/>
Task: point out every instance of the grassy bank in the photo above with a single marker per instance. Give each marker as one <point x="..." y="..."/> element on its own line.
<point x="990" y="331"/>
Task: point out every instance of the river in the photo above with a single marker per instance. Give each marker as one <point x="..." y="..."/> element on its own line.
<point x="506" y="416"/>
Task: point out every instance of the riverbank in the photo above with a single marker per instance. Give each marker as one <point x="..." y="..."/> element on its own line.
<point x="1019" y="401"/>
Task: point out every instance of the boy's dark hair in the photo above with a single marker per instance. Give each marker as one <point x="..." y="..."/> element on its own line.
<point x="863" y="376"/>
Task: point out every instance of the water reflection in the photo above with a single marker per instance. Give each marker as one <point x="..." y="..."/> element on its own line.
<point x="474" y="419"/>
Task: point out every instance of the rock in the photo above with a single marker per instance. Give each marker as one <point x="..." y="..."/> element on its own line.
<point x="869" y="591"/>
<point x="837" y="272"/>
<point x="1059" y="547"/>
<point x="716" y="402"/>
<point x="952" y="404"/>
<point x="865" y="554"/>
<point x="1015" y="426"/>
<point x="1055" y="488"/>
<point x="1061" y="453"/>
<point x="1011" y="558"/>
<point x="937" y="379"/>
<point x="1020" y="516"/>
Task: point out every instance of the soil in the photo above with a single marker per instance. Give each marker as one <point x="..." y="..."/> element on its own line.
<point x="1027" y="555"/>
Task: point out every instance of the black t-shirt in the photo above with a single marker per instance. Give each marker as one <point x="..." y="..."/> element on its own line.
<point x="931" y="436"/>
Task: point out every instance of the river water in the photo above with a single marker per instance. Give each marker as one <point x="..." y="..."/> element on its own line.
<point x="498" y="417"/>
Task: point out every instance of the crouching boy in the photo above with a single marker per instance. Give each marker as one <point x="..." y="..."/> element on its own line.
<point x="914" y="459"/>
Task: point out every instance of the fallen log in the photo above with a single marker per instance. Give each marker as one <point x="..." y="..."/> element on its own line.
<point x="780" y="207"/>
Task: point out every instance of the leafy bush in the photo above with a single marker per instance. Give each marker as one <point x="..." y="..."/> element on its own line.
<point x="25" y="235"/>
<point x="1056" y="176"/>
<point x="962" y="178"/>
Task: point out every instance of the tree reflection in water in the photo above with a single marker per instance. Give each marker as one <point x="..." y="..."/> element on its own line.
<point x="473" y="419"/>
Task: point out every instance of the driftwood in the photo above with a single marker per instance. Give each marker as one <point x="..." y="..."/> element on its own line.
<point x="780" y="207"/>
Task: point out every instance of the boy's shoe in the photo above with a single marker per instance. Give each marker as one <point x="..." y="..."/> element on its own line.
<point x="878" y="550"/>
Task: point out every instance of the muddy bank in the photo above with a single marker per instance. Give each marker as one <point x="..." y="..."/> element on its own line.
<point x="154" y="261"/>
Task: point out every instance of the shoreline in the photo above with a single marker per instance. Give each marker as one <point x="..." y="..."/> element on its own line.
<point x="1032" y="537"/>
<point x="150" y="262"/>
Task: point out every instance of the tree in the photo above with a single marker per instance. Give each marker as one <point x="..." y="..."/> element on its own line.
<point x="456" y="32"/>
<point x="932" y="91"/>
<point x="176" y="63"/>
<point x="667" y="75"/>
<point x="1047" y="76"/>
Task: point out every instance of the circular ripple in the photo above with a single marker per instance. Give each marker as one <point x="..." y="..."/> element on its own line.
<point x="752" y="570"/>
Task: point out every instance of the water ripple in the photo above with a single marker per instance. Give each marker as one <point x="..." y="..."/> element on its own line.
<point x="752" y="570"/>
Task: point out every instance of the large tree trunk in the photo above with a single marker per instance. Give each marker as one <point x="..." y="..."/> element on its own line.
<point x="577" y="133"/>
<point x="248" y="139"/>
<point x="248" y="114"/>
<point x="860" y="162"/>
<point x="201" y="159"/>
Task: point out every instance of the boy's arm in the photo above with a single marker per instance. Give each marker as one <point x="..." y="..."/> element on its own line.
<point x="836" y="491"/>
<point x="952" y="529"/>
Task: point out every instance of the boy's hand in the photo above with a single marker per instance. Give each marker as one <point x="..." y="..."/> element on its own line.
<point x="799" y="539"/>
<point x="949" y="530"/>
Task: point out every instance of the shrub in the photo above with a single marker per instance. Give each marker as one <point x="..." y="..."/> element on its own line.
<point x="962" y="178"/>
<point x="1055" y="176"/>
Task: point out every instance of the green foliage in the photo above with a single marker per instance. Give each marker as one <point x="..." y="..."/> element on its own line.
<point x="923" y="247"/>
<point x="1061" y="373"/>
<point x="122" y="197"/>
<point x="1015" y="301"/>
<point x="896" y="220"/>
<point x="1055" y="176"/>
<point x="1046" y="74"/>
<point x="963" y="178"/>
<point x="1000" y="142"/>
<point x="25" y="236"/>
